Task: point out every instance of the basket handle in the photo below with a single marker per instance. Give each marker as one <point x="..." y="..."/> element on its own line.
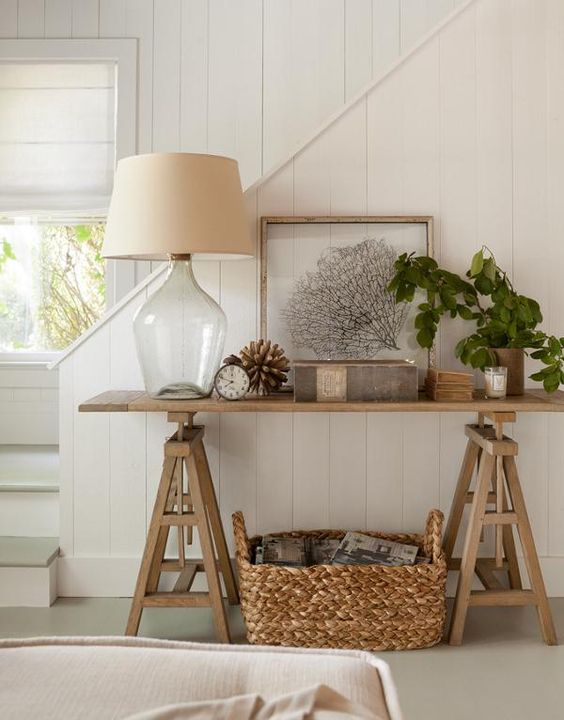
<point x="242" y="545"/>
<point x="432" y="541"/>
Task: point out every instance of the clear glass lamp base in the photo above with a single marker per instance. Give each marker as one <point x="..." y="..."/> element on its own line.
<point x="179" y="333"/>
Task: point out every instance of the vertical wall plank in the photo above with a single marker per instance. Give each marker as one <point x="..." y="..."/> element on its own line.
<point x="113" y="18"/>
<point x="127" y="441"/>
<point x="67" y="412"/>
<point x="347" y="471"/>
<point x="92" y="449"/>
<point x="384" y="471"/>
<point x="58" y="18"/>
<point x="420" y="132"/>
<point x="385" y="180"/>
<point x="385" y="34"/>
<point x="85" y="18"/>
<point x="274" y="472"/>
<point x="347" y="138"/>
<point x="413" y="22"/>
<point x="139" y="24"/>
<point x="238" y="463"/>
<point x="235" y="84"/>
<point x="31" y="19"/>
<point x="311" y="470"/>
<point x="421" y="483"/>
<point x="9" y="15"/>
<point x="194" y="76"/>
<point x="166" y="75"/>
<point x="358" y="45"/>
<point x="303" y="71"/>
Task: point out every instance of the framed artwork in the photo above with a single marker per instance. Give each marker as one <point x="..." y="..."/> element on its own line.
<point x="324" y="286"/>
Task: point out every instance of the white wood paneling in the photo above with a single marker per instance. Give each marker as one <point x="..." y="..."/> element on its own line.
<point x="58" y="18"/>
<point x="347" y="471"/>
<point x="311" y="452"/>
<point x="358" y="45"/>
<point x="91" y="375"/>
<point x="85" y="18"/>
<point x="166" y="75"/>
<point x="235" y="88"/>
<point x="274" y="471"/>
<point x="385" y="34"/>
<point x="304" y="71"/>
<point x="9" y="14"/>
<point x="457" y="131"/>
<point x="194" y="73"/>
<point x="31" y="18"/>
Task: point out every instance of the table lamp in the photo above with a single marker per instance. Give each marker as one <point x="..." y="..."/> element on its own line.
<point x="174" y="206"/>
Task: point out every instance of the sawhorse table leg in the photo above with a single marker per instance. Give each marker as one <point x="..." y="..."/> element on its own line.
<point x="194" y="507"/>
<point x="497" y="483"/>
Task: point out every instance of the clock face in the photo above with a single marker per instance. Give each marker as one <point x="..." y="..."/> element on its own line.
<point x="232" y="382"/>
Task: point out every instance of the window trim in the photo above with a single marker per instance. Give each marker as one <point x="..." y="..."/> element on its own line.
<point x="121" y="51"/>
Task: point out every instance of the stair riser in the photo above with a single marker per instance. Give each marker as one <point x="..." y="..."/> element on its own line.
<point x="29" y="514"/>
<point x="28" y="586"/>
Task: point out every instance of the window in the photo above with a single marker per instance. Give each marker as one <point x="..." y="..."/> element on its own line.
<point x="52" y="284"/>
<point x="60" y="136"/>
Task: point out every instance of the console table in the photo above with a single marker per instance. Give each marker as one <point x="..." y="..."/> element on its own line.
<point x="186" y="499"/>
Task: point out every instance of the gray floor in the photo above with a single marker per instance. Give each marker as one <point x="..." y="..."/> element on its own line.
<point x="502" y="671"/>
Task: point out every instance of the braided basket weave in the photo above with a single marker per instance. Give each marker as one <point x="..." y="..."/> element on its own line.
<point x="373" y="607"/>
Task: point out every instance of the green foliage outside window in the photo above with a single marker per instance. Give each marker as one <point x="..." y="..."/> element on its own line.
<point x="52" y="286"/>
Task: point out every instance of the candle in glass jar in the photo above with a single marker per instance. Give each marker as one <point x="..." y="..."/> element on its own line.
<point x="496" y="382"/>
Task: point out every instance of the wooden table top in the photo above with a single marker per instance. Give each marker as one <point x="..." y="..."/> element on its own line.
<point x="138" y="401"/>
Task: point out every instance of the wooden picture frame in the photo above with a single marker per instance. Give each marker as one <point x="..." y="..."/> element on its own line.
<point x="340" y="225"/>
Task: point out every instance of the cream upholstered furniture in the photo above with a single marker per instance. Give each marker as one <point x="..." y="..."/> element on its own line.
<point x="102" y="678"/>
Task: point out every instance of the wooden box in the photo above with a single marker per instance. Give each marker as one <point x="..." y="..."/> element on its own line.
<point x="350" y="380"/>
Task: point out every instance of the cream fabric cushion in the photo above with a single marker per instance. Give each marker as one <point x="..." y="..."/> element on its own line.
<point x="316" y="703"/>
<point x="102" y="678"/>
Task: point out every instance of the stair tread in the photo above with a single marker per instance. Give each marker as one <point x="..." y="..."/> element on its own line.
<point x="29" y="468"/>
<point x="28" y="485"/>
<point x="28" y="551"/>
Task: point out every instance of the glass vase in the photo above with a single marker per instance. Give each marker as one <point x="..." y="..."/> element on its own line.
<point x="179" y="333"/>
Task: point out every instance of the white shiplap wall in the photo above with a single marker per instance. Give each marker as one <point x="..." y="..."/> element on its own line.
<point x="469" y="129"/>
<point x="246" y="78"/>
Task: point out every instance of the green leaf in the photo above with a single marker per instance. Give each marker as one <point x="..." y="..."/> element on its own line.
<point x="480" y="358"/>
<point x="425" y="337"/>
<point x="489" y="269"/>
<point x="477" y="264"/>
<point x="465" y="312"/>
<point x="483" y="285"/>
<point x="554" y="346"/>
<point x="552" y="382"/>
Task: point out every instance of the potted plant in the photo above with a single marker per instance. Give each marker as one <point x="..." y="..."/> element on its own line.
<point x="505" y="322"/>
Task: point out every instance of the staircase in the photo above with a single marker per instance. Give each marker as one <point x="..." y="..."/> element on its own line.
<point x="29" y="522"/>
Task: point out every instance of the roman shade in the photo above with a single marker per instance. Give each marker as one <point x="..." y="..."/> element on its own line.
<point x="57" y="137"/>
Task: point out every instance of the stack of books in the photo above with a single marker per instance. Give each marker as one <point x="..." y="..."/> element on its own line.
<point x="444" y="385"/>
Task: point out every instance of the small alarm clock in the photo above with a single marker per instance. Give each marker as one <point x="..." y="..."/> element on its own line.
<point x="232" y="382"/>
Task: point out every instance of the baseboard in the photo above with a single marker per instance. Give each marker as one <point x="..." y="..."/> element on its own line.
<point x="115" y="577"/>
<point x="28" y="586"/>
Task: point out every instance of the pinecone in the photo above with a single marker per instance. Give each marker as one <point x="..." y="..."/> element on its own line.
<point x="266" y="365"/>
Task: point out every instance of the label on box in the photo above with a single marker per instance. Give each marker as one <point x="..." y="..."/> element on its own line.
<point x="331" y="383"/>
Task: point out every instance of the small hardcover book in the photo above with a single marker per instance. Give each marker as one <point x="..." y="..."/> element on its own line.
<point x="359" y="549"/>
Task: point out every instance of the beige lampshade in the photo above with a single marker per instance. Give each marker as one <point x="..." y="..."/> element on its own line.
<point x="176" y="203"/>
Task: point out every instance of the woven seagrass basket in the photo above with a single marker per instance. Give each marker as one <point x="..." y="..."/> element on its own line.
<point x="373" y="607"/>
